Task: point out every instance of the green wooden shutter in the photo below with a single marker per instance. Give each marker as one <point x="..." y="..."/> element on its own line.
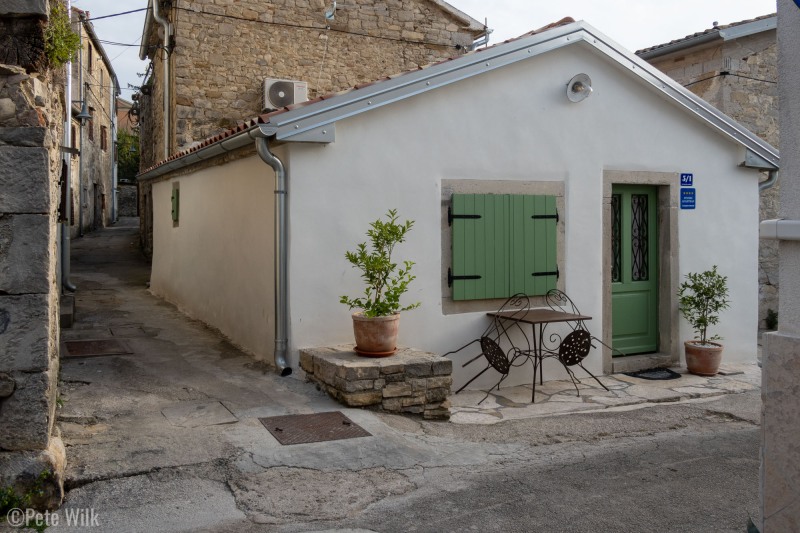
<point x="480" y="243"/>
<point x="502" y="244"/>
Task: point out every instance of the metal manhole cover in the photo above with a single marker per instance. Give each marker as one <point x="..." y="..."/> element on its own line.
<point x="319" y="427"/>
<point x="94" y="348"/>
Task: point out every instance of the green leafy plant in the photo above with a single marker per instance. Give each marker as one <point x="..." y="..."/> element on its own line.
<point x="128" y="156"/>
<point x="385" y="282"/>
<point x="771" y="320"/>
<point x="10" y="500"/>
<point x="701" y="297"/>
<point x="61" y="44"/>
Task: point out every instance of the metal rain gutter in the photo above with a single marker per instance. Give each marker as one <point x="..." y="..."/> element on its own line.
<point x="66" y="283"/>
<point x="681" y="45"/>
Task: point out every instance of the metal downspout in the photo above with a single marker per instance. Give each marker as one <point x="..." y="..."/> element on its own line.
<point x="115" y="152"/>
<point x="167" y="34"/>
<point x="82" y="89"/>
<point x="66" y="283"/>
<point x="281" y="263"/>
<point x="771" y="180"/>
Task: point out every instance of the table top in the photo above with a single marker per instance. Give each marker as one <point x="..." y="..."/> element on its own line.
<point x="538" y="316"/>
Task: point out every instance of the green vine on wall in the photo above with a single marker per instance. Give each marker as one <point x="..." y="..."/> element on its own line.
<point x="61" y="44"/>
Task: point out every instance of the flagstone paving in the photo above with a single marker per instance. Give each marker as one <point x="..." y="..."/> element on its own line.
<point x="559" y="397"/>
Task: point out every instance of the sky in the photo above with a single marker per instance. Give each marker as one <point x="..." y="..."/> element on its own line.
<point x="635" y="24"/>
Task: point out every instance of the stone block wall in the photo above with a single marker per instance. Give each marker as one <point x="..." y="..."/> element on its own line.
<point x="127" y="200"/>
<point x="738" y="77"/>
<point x="31" y="131"/>
<point x="224" y="49"/>
<point x="409" y="381"/>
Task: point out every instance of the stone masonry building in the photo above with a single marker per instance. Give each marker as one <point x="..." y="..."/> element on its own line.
<point x="221" y="51"/>
<point x="32" y="119"/>
<point x="734" y="67"/>
<point x="93" y="82"/>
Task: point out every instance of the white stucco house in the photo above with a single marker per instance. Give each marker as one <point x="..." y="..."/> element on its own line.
<point x="648" y="183"/>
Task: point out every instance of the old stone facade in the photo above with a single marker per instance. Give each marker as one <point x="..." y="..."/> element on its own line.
<point x="94" y="168"/>
<point x="223" y="50"/>
<point x="738" y="75"/>
<point x="31" y="130"/>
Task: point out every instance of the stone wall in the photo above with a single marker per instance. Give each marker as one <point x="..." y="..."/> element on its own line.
<point x="127" y="200"/>
<point x="739" y="78"/>
<point x="31" y="130"/>
<point x="223" y="50"/>
<point x="408" y="382"/>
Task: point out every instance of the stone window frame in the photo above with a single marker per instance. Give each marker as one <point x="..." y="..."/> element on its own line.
<point x="466" y="186"/>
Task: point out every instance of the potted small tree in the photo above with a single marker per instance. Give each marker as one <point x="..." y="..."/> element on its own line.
<point x="376" y="323"/>
<point x="702" y="296"/>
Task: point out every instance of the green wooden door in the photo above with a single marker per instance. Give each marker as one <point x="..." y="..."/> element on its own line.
<point x="634" y="271"/>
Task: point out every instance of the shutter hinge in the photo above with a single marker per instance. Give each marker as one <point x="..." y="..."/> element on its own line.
<point x="451" y="278"/>
<point x="451" y="216"/>
<point x="541" y="217"/>
<point x="554" y="273"/>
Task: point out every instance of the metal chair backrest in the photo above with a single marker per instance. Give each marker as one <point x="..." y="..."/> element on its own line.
<point x="495" y="355"/>
<point x="575" y="347"/>
<point x="517" y="305"/>
<point x="559" y="301"/>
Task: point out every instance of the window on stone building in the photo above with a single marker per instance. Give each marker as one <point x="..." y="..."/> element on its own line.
<point x="90" y="124"/>
<point x="103" y="138"/>
<point x="89" y="57"/>
<point x="74" y="140"/>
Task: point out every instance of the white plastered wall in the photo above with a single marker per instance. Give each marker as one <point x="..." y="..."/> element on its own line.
<point x="217" y="264"/>
<point x="512" y="124"/>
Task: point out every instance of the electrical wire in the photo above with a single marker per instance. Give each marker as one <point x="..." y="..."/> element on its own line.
<point x="284" y="24"/>
<point x="726" y="73"/>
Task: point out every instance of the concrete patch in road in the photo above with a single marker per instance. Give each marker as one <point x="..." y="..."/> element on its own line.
<point x="197" y="414"/>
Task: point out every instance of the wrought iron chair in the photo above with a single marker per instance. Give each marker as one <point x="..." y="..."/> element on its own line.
<point x="575" y="346"/>
<point x="490" y="339"/>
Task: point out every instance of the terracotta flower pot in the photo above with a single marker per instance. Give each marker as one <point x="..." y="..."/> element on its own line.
<point x="703" y="360"/>
<point x="375" y="336"/>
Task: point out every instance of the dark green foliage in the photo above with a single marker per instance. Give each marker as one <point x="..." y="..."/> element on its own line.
<point x="128" y="160"/>
<point x="702" y="296"/>
<point x="385" y="283"/>
<point x="771" y="320"/>
<point x="61" y="44"/>
<point x="10" y="500"/>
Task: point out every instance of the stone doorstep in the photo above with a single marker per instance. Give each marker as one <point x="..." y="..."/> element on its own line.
<point x="410" y="381"/>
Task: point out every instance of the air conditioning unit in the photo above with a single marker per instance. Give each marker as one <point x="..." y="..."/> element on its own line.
<point x="281" y="93"/>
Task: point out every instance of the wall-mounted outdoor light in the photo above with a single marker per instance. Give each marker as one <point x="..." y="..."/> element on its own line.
<point x="84" y="114"/>
<point x="579" y="88"/>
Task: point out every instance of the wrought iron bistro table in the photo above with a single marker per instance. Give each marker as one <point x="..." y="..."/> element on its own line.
<point x="538" y="317"/>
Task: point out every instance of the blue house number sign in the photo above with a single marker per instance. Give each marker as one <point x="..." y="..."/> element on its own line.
<point x="687" y="180"/>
